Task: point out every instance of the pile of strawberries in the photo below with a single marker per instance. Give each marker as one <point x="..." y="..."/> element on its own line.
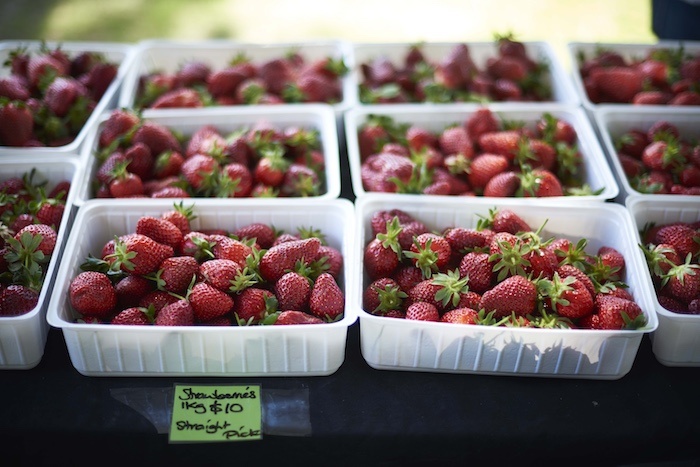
<point x="663" y="76"/>
<point x="48" y="95"/>
<point x="501" y="273"/>
<point x="482" y="155"/>
<point x="660" y="160"/>
<point x="166" y="274"/>
<point x="29" y="220"/>
<point x="141" y="158"/>
<point x="292" y="78"/>
<point x="511" y="75"/>
<point x="672" y="251"/>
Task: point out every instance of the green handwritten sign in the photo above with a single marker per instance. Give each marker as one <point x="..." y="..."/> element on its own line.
<point x="210" y="413"/>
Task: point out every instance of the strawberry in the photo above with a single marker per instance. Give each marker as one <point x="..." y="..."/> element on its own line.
<point x="198" y="169"/>
<point x="661" y="155"/>
<point x="219" y="273"/>
<point x="262" y="234"/>
<point x="157" y="299"/>
<point x="503" y="142"/>
<point x="131" y="289"/>
<point x="180" y="216"/>
<point x="170" y="192"/>
<point x="516" y="294"/>
<point x="507" y="220"/>
<point x="429" y="253"/>
<point x="253" y="305"/>
<point x="327" y="300"/>
<point x="205" y="140"/>
<point x="462" y="315"/>
<point x="140" y="160"/>
<point x="683" y="281"/>
<point x="556" y="130"/>
<point x="300" y="180"/>
<point x="43" y="68"/>
<point x="289" y="317"/>
<point x="478" y="270"/>
<point x="14" y="88"/>
<point x="508" y="67"/>
<point x="17" y="299"/>
<point x="422" y="311"/>
<point x="177" y="98"/>
<point x="228" y="248"/>
<point x="236" y="181"/>
<point x="126" y="185"/>
<point x="682" y="237"/>
<point x="332" y="259"/>
<point x="133" y="316"/>
<point x="503" y="185"/>
<point x="407" y="276"/>
<point x="167" y="164"/>
<point x="46" y="233"/>
<point x="61" y="94"/>
<point x="484" y="167"/>
<point x="16" y="124"/>
<point x="383" y="295"/>
<point x="292" y="291"/>
<point x="138" y="254"/>
<point x="224" y="82"/>
<point x="568" y="296"/>
<point x="157" y="137"/>
<point x="613" y="259"/>
<point x="99" y="78"/>
<point x="119" y="123"/>
<point x="176" y="273"/>
<point x="178" y="313"/>
<point x="480" y="122"/>
<point x="50" y="212"/>
<point x="209" y="302"/>
<point x="540" y="183"/>
<point x="617" y="84"/>
<point x="566" y="270"/>
<point x="92" y="294"/>
<point x="618" y="313"/>
<point x="283" y="257"/>
<point x="160" y="230"/>
<point x="461" y="239"/>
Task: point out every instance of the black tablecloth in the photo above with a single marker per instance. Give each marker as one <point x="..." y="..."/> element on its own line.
<point x="52" y="415"/>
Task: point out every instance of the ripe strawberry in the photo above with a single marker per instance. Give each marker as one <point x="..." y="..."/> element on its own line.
<point x="617" y="84"/>
<point x="651" y="98"/>
<point x="176" y="273"/>
<point x="92" y="294"/>
<point x="540" y="183"/>
<point x="422" y="311"/>
<point x="292" y="291"/>
<point x="430" y="253"/>
<point x="253" y="305"/>
<point x="180" y="216"/>
<point x="516" y="294"/>
<point x="270" y="170"/>
<point x="178" y="313"/>
<point x="138" y="254"/>
<point x="300" y="180"/>
<point x="119" y="123"/>
<point x="502" y="185"/>
<point x="661" y="155"/>
<point x="508" y="67"/>
<point x="683" y="281"/>
<point x="618" y="313"/>
<point x="206" y="140"/>
<point x="219" y="272"/>
<point x="503" y="142"/>
<point x="131" y="289"/>
<point x="14" y="88"/>
<point x="133" y="316"/>
<point x="507" y="220"/>
<point x="283" y="257"/>
<point x="478" y="270"/>
<point x="555" y="130"/>
<point x="480" y="122"/>
<point x="50" y="213"/>
<point x="568" y="296"/>
<point x="157" y="137"/>
<point x="198" y="170"/>
<point x="613" y="259"/>
<point x="682" y="237"/>
<point x="126" y="185"/>
<point x="62" y="93"/>
<point x="21" y="221"/>
<point x="48" y="237"/>
<point x="17" y="299"/>
<point x="167" y="164"/>
<point x="41" y="68"/>
<point x="263" y="234"/>
<point x="170" y="192"/>
<point x="484" y="167"/>
<point x="236" y="181"/>
<point x="157" y="299"/>
<point x="99" y="78"/>
<point x="383" y="295"/>
<point x="224" y="82"/>
<point x="160" y="230"/>
<point x="327" y="300"/>
<point x="140" y="160"/>
<point x="566" y="270"/>
<point x="289" y="317"/>
<point x="685" y="98"/>
<point x="178" y="98"/>
<point x="16" y="124"/>
<point x="228" y="248"/>
<point x="461" y="239"/>
<point x="332" y="258"/>
<point x="209" y="302"/>
<point x="461" y="315"/>
<point x="407" y="276"/>
<point x="419" y="137"/>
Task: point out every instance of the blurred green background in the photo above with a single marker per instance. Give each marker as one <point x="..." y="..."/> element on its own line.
<point x="274" y="21"/>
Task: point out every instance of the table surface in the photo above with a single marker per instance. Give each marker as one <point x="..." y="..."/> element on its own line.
<point x="53" y="415"/>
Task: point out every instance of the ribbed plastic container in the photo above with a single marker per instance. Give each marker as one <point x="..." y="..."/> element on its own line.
<point x="22" y="338"/>
<point x="615" y="121"/>
<point x="227" y="120"/>
<point x="676" y="341"/>
<point x="542" y="52"/>
<point x="628" y="51"/>
<point x="407" y="345"/>
<point x="118" y="53"/>
<point x="168" y="55"/>
<point x="120" y="350"/>
<point x="596" y="172"/>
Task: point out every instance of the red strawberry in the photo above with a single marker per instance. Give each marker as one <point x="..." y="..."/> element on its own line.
<point x="176" y="273"/>
<point x="48" y="237"/>
<point x="16" y="124"/>
<point x="383" y="295"/>
<point x="157" y="137"/>
<point x="684" y="281"/>
<point x="332" y="258"/>
<point x="180" y="216"/>
<point x="484" y="167"/>
<point x="407" y="277"/>
<point x="253" y="305"/>
<point x="502" y="185"/>
<point x="554" y="130"/>
<point x="292" y="291"/>
<point x="289" y="317"/>
<point x="41" y="67"/>
<point x="205" y="140"/>
<point x="219" y="272"/>
<point x="99" y="78"/>
<point x="613" y="259"/>
<point x="651" y="98"/>
<point x="480" y="122"/>
<point x="508" y="67"/>
<point x="160" y="230"/>
<point x="119" y="123"/>
<point x="228" y="248"/>
<point x="617" y="84"/>
<point x="14" y="88"/>
<point x="300" y="180"/>
<point x="461" y="239"/>
<point x="157" y="299"/>
<point x="92" y="294"/>
<point x="50" y="213"/>
<point x="371" y="137"/>
<point x="133" y="316"/>
<point x="17" y="299"/>
<point x="327" y="300"/>
<point x="479" y="271"/>
<point x="224" y="82"/>
<point x="170" y="192"/>
<point x="516" y="294"/>
<point x="506" y="220"/>
<point x="566" y="270"/>
<point x="178" y="98"/>
<point x="61" y="94"/>
<point x="139" y="254"/>
<point x="263" y="234"/>
<point x="503" y="142"/>
<point x="236" y="180"/>
<point x="167" y="164"/>
<point x="131" y="289"/>
<point x="461" y="316"/>
<point x="198" y="169"/>
<point x="540" y="183"/>
<point x="422" y="311"/>
<point x="140" y="160"/>
<point x="178" y="313"/>
<point x="685" y="98"/>
<point x="282" y="257"/>
<point x="430" y="253"/>
<point x="682" y="237"/>
<point x="126" y="185"/>
<point x="618" y="313"/>
<point x="419" y="137"/>
<point x="661" y="155"/>
<point x="456" y="140"/>
<point x="209" y="302"/>
<point x="568" y="297"/>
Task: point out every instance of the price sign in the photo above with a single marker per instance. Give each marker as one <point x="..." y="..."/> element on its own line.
<point x="211" y="413"/>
